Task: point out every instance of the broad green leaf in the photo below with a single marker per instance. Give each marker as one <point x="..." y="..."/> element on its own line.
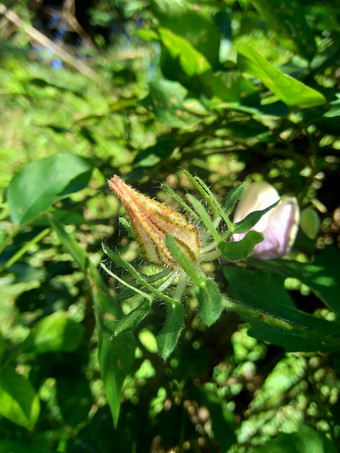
<point x="132" y="319"/>
<point x="232" y="197"/>
<point x="19" y="401"/>
<point x="289" y="90"/>
<point x="209" y="298"/>
<point x="260" y="299"/>
<point x="322" y="277"/>
<point x="251" y="219"/>
<point x="235" y="251"/>
<point x="191" y="24"/>
<point x="167" y="101"/>
<point x="286" y="18"/>
<point x="12" y="446"/>
<point x="304" y="440"/>
<point x="191" y="60"/>
<point x="116" y="355"/>
<point x="40" y="184"/>
<point x="56" y="332"/>
<point x="168" y="336"/>
<point x="181" y="62"/>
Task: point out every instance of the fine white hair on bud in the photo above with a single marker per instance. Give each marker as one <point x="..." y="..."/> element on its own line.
<point x="151" y="221"/>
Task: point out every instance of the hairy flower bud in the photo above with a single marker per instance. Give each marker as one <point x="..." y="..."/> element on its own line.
<point x="151" y="221"/>
<point x="279" y="225"/>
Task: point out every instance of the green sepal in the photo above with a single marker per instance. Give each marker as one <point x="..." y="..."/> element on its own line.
<point x="232" y="197"/>
<point x="251" y="219"/>
<point x="132" y="319"/>
<point x="209" y="298"/>
<point x="235" y="251"/>
<point x="168" y="336"/>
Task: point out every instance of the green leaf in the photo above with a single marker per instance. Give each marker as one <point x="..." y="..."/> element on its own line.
<point x="235" y="251"/>
<point x="251" y="219"/>
<point x="40" y="184"/>
<point x="11" y="446"/>
<point x="289" y="90"/>
<point x="56" y="332"/>
<point x="116" y="355"/>
<point x="168" y="336"/>
<point x="180" y="61"/>
<point x="191" y="60"/>
<point x="166" y="100"/>
<point x="191" y="24"/>
<point x="322" y="277"/>
<point x="261" y="299"/>
<point x="286" y="18"/>
<point x="232" y="198"/>
<point x="19" y="401"/>
<point x="209" y="298"/>
<point x="304" y="440"/>
<point x="132" y="319"/>
<point x="335" y="110"/>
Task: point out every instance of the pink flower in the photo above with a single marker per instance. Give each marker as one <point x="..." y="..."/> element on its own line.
<point x="279" y="226"/>
<point x="151" y="221"/>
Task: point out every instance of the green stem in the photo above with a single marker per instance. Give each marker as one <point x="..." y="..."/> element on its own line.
<point x="123" y="282"/>
<point x="272" y="320"/>
<point x="24" y="249"/>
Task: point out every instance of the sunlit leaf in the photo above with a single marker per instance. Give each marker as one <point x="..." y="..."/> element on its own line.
<point x="56" y="332"/>
<point x="289" y="90"/>
<point x="167" y="101"/>
<point x="286" y="18"/>
<point x="40" y="184"/>
<point x="19" y="402"/>
<point x="191" y="24"/>
<point x="301" y="441"/>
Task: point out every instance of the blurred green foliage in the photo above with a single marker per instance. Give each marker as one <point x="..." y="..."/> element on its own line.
<point x="233" y="91"/>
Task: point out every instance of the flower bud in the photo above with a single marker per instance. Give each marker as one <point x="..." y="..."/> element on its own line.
<point x="151" y="221"/>
<point x="279" y="225"/>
